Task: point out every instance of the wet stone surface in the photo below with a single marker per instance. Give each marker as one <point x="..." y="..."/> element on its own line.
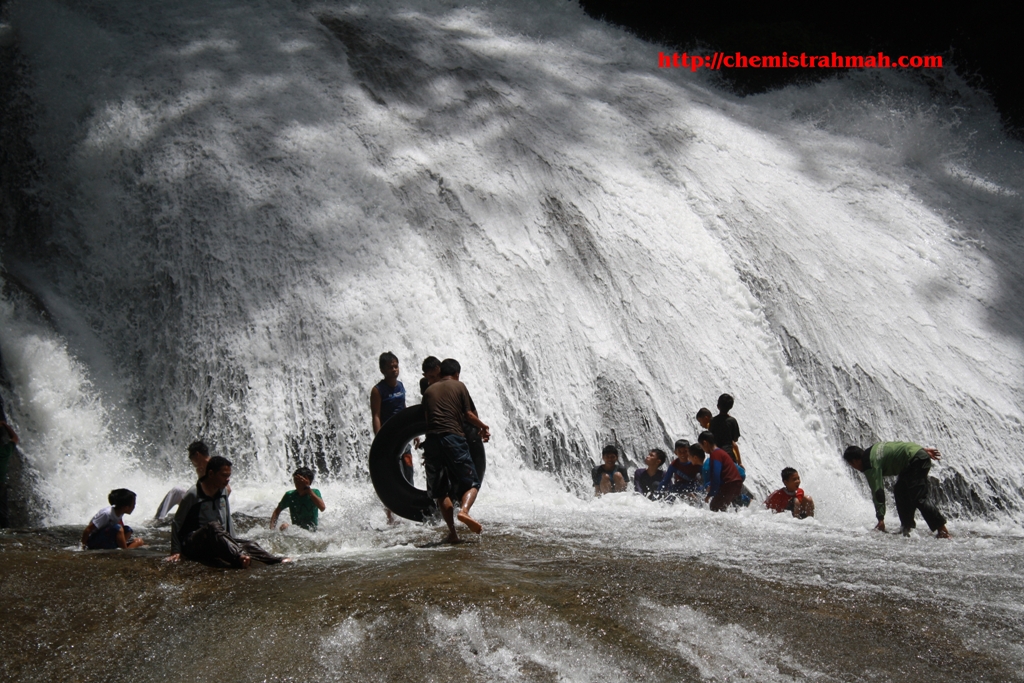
<point x="497" y="607"/>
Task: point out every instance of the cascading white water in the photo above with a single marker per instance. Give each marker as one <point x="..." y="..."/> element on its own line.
<point x="245" y="203"/>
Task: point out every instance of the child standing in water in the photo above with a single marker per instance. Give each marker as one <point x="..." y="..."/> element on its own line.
<point x="304" y="503"/>
<point x="726" y="429"/>
<point x="107" y="530"/>
<point x="387" y="399"/>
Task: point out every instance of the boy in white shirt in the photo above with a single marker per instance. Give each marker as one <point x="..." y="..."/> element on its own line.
<point x="107" y="530"/>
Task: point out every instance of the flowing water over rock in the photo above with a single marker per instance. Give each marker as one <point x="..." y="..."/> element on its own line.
<point x="217" y="214"/>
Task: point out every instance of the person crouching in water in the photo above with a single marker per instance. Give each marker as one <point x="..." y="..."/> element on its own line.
<point x="647" y="480"/>
<point x="446" y="458"/>
<point x="909" y="463"/>
<point x="107" y="530"/>
<point x="609" y="476"/>
<point x="724" y="481"/>
<point x="202" y="529"/>
<point x="791" y="497"/>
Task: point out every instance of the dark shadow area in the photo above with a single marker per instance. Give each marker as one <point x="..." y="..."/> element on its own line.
<point x="976" y="40"/>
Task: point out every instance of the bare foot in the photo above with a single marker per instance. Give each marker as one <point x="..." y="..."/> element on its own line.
<point x="246" y="561"/>
<point x="287" y="560"/>
<point x="453" y="538"/>
<point x="943" y="533"/>
<point x="473" y="525"/>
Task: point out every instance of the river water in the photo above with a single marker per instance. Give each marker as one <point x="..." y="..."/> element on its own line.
<point x="217" y="214"/>
<point x="619" y="589"/>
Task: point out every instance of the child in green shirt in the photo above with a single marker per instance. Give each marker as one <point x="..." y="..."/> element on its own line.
<point x="304" y="503"/>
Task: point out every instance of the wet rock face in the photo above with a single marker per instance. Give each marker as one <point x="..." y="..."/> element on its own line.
<point x="501" y="606"/>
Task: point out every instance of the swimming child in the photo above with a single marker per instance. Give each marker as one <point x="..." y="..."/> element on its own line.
<point x="107" y="530"/>
<point x="791" y="497"/>
<point x="304" y="503"/>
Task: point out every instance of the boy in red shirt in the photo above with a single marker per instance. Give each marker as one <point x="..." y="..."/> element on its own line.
<point x="791" y="497"/>
<point x="724" y="481"/>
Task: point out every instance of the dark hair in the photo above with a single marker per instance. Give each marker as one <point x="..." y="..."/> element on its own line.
<point x="424" y="383"/>
<point x="431" y="363"/>
<point x="660" y="453"/>
<point x="120" y="498"/>
<point x="787" y="472"/>
<point x="216" y="463"/>
<point x="707" y="436"/>
<point x="703" y="412"/>
<point x="449" y="367"/>
<point x="681" y="443"/>
<point x="853" y="453"/>
<point x="725" y="402"/>
<point x="385" y="360"/>
<point x="197" y="447"/>
<point x="305" y="472"/>
<point x="610" y="449"/>
<point x="696" y="450"/>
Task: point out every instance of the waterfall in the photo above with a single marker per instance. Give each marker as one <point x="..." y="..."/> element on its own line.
<point x="226" y="211"/>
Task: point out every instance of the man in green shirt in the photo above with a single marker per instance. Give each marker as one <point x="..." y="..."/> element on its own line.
<point x="304" y="503"/>
<point x="8" y="444"/>
<point x="909" y="463"/>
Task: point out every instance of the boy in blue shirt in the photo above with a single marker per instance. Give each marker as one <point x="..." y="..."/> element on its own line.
<point x="303" y="503"/>
<point x="683" y="475"/>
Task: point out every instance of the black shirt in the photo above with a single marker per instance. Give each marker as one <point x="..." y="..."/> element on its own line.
<point x="726" y="430"/>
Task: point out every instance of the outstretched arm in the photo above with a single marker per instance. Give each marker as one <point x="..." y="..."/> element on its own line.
<point x="485" y="431"/>
<point x="933" y="453"/>
<point x="667" y="479"/>
<point x="273" y="517"/>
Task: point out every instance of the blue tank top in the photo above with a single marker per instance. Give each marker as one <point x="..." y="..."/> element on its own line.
<point x="392" y="399"/>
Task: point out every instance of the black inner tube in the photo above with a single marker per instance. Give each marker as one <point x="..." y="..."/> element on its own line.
<point x="397" y="494"/>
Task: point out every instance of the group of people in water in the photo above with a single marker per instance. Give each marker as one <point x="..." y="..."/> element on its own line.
<point x="202" y="528"/>
<point x="710" y="470"/>
<point x="452" y="424"/>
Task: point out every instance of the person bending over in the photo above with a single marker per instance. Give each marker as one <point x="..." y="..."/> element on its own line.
<point x="107" y="530"/>
<point x="202" y="529"/>
<point x="724" y="481"/>
<point x="303" y="503"/>
<point x="609" y="476"/>
<point x="909" y="463"/>
<point x="791" y="497"/>
<point x="450" y="469"/>
<point x="647" y="481"/>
